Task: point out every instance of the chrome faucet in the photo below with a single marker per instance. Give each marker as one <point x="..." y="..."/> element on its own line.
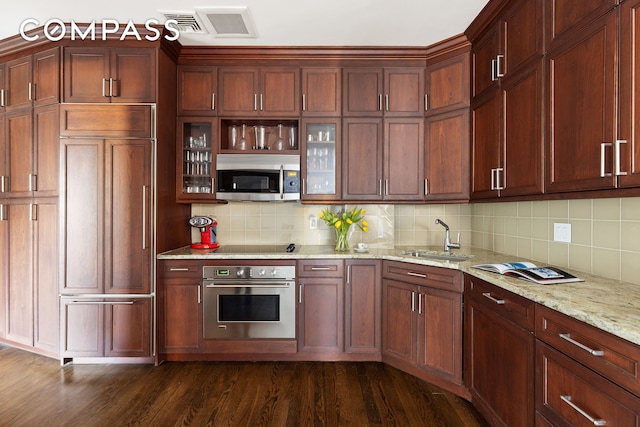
<point x="448" y="244"/>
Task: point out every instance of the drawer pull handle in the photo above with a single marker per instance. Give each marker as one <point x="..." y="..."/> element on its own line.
<point x="567" y="337"/>
<point x="320" y="268"/>
<point x="179" y="269"/>
<point x="497" y="301"/>
<point x="411" y="273"/>
<point x="594" y="421"/>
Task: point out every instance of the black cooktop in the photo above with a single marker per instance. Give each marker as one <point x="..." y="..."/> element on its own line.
<point x="256" y="249"/>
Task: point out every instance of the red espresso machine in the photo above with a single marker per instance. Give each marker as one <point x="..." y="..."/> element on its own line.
<point x="207" y="228"/>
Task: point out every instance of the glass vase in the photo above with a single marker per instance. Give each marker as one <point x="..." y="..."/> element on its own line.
<point x="342" y="240"/>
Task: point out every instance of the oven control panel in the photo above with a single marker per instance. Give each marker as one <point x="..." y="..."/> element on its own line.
<point x="281" y="272"/>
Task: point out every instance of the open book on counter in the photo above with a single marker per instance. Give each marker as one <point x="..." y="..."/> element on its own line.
<point x="530" y="271"/>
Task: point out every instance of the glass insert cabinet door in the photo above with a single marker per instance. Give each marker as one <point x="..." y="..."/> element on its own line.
<point x="196" y="159"/>
<point x="320" y="151"/>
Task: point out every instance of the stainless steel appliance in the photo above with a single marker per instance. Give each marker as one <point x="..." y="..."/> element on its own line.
<point x="259" y="177"/>
<point x="249" y="301"/>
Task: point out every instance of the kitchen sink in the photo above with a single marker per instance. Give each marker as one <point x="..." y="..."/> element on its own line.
<point x="442" y="256"/>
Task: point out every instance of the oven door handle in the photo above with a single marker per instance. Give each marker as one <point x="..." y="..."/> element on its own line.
<point x="247" y="284"/>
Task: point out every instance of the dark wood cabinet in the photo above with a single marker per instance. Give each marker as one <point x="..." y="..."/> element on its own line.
<point x="499" y="353"/>
<point x="123" y="75"/>
<point x="196" y="159"/>
<point x="107" y="217"/>
<point x="564" y="18"/>
<point x="377" y="92"/>
<point x="321" y="306"/>
<point x="447" y="172"/>
<point x="447" y="84"/>
<point x="268" y="91"/>
<point x="19" y="142"/>
<point x="321" y="92"/>
<point x="320" y="165"/>
<point x="363" y="307"/>
<point x="422" y="322"/>
<point x="197" y="90"/>
<point x="383" y="159"/>
<point x="32" y="80"/>
<point x="180" y="307"/>
<point x="579" y="149"/>
<point x="29" y="292"/>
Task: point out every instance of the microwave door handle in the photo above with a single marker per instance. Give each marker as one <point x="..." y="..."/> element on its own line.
<point x="281" y="182"/>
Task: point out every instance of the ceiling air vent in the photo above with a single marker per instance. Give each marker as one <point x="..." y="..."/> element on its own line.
<point x="188" y="22"/>
<point x="228" y="21"/>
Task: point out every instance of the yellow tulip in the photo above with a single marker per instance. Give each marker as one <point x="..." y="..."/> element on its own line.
<point x="349" y="221"/>
<point x="338" y="224"/>
<point x="365" y="229"/>
<point x="365" y="223"/>
<point x="320" y="215"/>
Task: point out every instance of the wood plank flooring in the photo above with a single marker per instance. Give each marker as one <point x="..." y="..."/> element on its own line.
<point x="37" y="391"/>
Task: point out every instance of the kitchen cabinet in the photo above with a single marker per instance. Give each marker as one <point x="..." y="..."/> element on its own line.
<point x="180" y="307"/>
<point x="107" y="216"/>
<point x="510" y="45"/>
<point x="320" y="161"/>
<point x="363" y="307"/>
<point x="383" y="159"/>
<point x="580" y="150"/>
<point x="28" y="243"/>
<point x="31" y="138"/>
<point x="197" y="89"/>
<point x="499" y="353"/>
<point x="447" y="84"/>
<point x="321" y="92"/>
<point x="507" y="140"/>
<point x="196" y="156"/>
<point x="447" y="156"/>
<point x="320" y="306"/>
<point x="565" y="18"/>
<point x="32" y="81"/>
<point x="422" y="322"/>
<point x="378" y="92"/>
<point x="105" y="75"/>
<point x="267" y="91"/>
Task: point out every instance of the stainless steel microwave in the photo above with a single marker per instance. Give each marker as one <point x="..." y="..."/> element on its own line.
<point x="258" y="177"/>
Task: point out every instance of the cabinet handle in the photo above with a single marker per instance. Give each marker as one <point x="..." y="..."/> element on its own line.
<point x="144" y="217"/>
<point x="102" y="302"/>
<point x="213" y="101"/>
<point x="499" y="173"/>
<point x="255" y="102"/>
<point x="603" y="147"/>
<point x="497" y="301"/>
<point x="493" y="70"/>
<point x="411" y="273"/>
<point x="426" y="187"/>
<point x="386" y="187"/>
<point x="104" y="85"/>
<point x="179" y="269"/>
<point x="213" y="185"/>
<point x="32" y="92"/>
<point x="493" y="179"/>
<point x="304" y="102"/>
<point x="320" y="268"/>
<point x="348" y="274"/>
<point x="33" y="212"/>
<point x="300" y="287"/>
<point x="2" y="183"/>
<point x="2" y="98"/>
<point x="261" y="102"/>
<point x="380" y="102"/>
<point x="386" y="102"/>
<point x="567" y="337"/>
<point x="426" y="102"/>
<point x="32" y="182"/>
<point x="413" y="301"/>
<point x="380" y="187"/>
<point x="199" y="294"/>
<point x="111" y="87"/>
<point x="302" y="189"/>
<point x="499" y="71"/>
<point x="420" y="304"/>
<point x="617" y="156"/>
<point x="596" y="422"/>
<point x="2" y="217"/>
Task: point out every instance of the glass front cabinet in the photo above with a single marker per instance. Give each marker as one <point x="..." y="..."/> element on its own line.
<point x="320" y="151"/>
<point x="196" y="158"/>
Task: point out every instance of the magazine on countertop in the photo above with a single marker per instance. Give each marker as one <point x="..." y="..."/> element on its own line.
<point x="530" y="271"/>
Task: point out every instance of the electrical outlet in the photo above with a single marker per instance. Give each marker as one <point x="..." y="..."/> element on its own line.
<point x="562" y="232"/>
<point x="313" y="222"/>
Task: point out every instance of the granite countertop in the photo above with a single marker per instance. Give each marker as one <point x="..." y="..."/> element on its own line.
<point x="610" y="305"/>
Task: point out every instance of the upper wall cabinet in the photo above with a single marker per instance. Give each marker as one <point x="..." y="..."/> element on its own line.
<point x="126" y="75"/>
<point x="565" y="17"/>
<point x="321" y="92"/>
<point x="377" y="92"/>
<point x="197" y="87"/>
<point x="31" y="81"/>
<point x="447" y="85"/>
<point x="513" y="43"/>
<point x="268" y="91"/>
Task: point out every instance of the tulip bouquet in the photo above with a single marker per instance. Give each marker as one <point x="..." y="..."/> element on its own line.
<point x="342" y="222"/>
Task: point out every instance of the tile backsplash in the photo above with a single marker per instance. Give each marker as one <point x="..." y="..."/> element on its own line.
<point x="605" y="232"/>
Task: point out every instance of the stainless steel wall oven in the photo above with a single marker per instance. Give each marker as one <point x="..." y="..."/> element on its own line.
<point x="249" y="301"/>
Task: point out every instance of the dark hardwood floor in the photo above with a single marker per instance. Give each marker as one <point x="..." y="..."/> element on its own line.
<point x="37" y="391"/>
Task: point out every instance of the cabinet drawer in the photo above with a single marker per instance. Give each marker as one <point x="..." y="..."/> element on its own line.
<point x="321" y="268"/>
<point x="613" y="357"/>
<point x="112" y="121"/>
<point x="515" y="308"/>
<point x="568" y="394"/>
<point x="434" y="277"/>
<point x="180" y="268"/>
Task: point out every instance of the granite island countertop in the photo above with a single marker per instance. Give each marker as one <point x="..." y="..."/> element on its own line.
<point x="607" y="304"/>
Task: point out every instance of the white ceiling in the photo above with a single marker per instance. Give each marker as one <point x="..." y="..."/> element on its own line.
<point x="277" y="22"/>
